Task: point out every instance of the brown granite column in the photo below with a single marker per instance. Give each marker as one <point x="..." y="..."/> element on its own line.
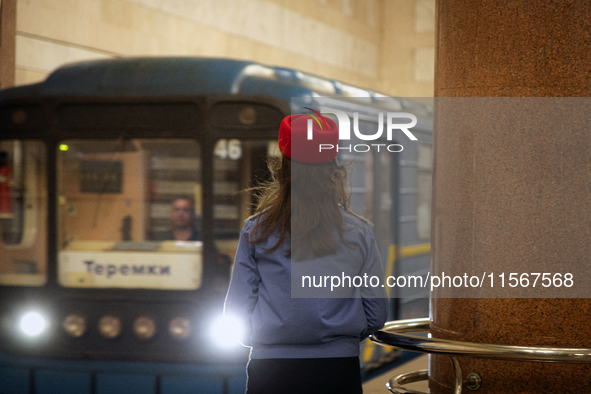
<point x="7" y="42"/>
<point x="486" y="208"/>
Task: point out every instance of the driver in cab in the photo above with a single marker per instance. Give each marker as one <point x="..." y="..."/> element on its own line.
<point x="182" y="216"/>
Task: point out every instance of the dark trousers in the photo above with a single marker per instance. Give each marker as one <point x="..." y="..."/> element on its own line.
<point x="304" y="376"/>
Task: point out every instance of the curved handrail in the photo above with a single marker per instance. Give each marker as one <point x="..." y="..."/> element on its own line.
<point x="395" y="385"/>
<point x="392" y="335"/>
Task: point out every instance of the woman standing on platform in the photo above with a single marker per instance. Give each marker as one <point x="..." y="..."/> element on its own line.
<point x="305" y="345"/>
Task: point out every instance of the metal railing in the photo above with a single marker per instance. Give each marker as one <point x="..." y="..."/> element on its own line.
<point x="395" y="334"/>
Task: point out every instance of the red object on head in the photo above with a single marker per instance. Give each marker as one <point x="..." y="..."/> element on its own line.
<point x="294" y="142"/>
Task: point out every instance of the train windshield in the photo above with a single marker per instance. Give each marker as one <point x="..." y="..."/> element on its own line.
<point x="23" y="213"/>
<point x="129" y="214"/>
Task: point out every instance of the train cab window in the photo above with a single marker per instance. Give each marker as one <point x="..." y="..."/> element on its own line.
<point x="424" y="188"/>
<point x="129" y="214"/>
<point x="23" y="213"/>
<point x="238" y="165"/>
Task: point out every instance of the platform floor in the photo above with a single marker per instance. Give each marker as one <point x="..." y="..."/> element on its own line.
<point x="377" y="385"/>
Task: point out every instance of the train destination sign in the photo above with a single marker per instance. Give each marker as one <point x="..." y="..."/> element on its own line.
<point x="145" y="270"/>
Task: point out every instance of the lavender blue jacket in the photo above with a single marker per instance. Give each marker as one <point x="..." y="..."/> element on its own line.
<point x="280" y="326"/>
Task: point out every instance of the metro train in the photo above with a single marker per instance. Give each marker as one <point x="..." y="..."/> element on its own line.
<point x="93" y="298"/>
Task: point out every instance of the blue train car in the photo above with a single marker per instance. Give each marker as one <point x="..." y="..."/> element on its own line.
<point x="97" y="294"/>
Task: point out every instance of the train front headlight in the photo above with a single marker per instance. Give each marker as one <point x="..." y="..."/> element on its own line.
<point x="33" y="324"/>
<point x="228" y="331"/>
<point x="179" y="328"/>
<point x="109" y="326"/>
<point x="75" y="325"/>
<point x="144" y="327"/>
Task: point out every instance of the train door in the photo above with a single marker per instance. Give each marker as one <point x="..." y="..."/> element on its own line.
<point x="23" y="213"/>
